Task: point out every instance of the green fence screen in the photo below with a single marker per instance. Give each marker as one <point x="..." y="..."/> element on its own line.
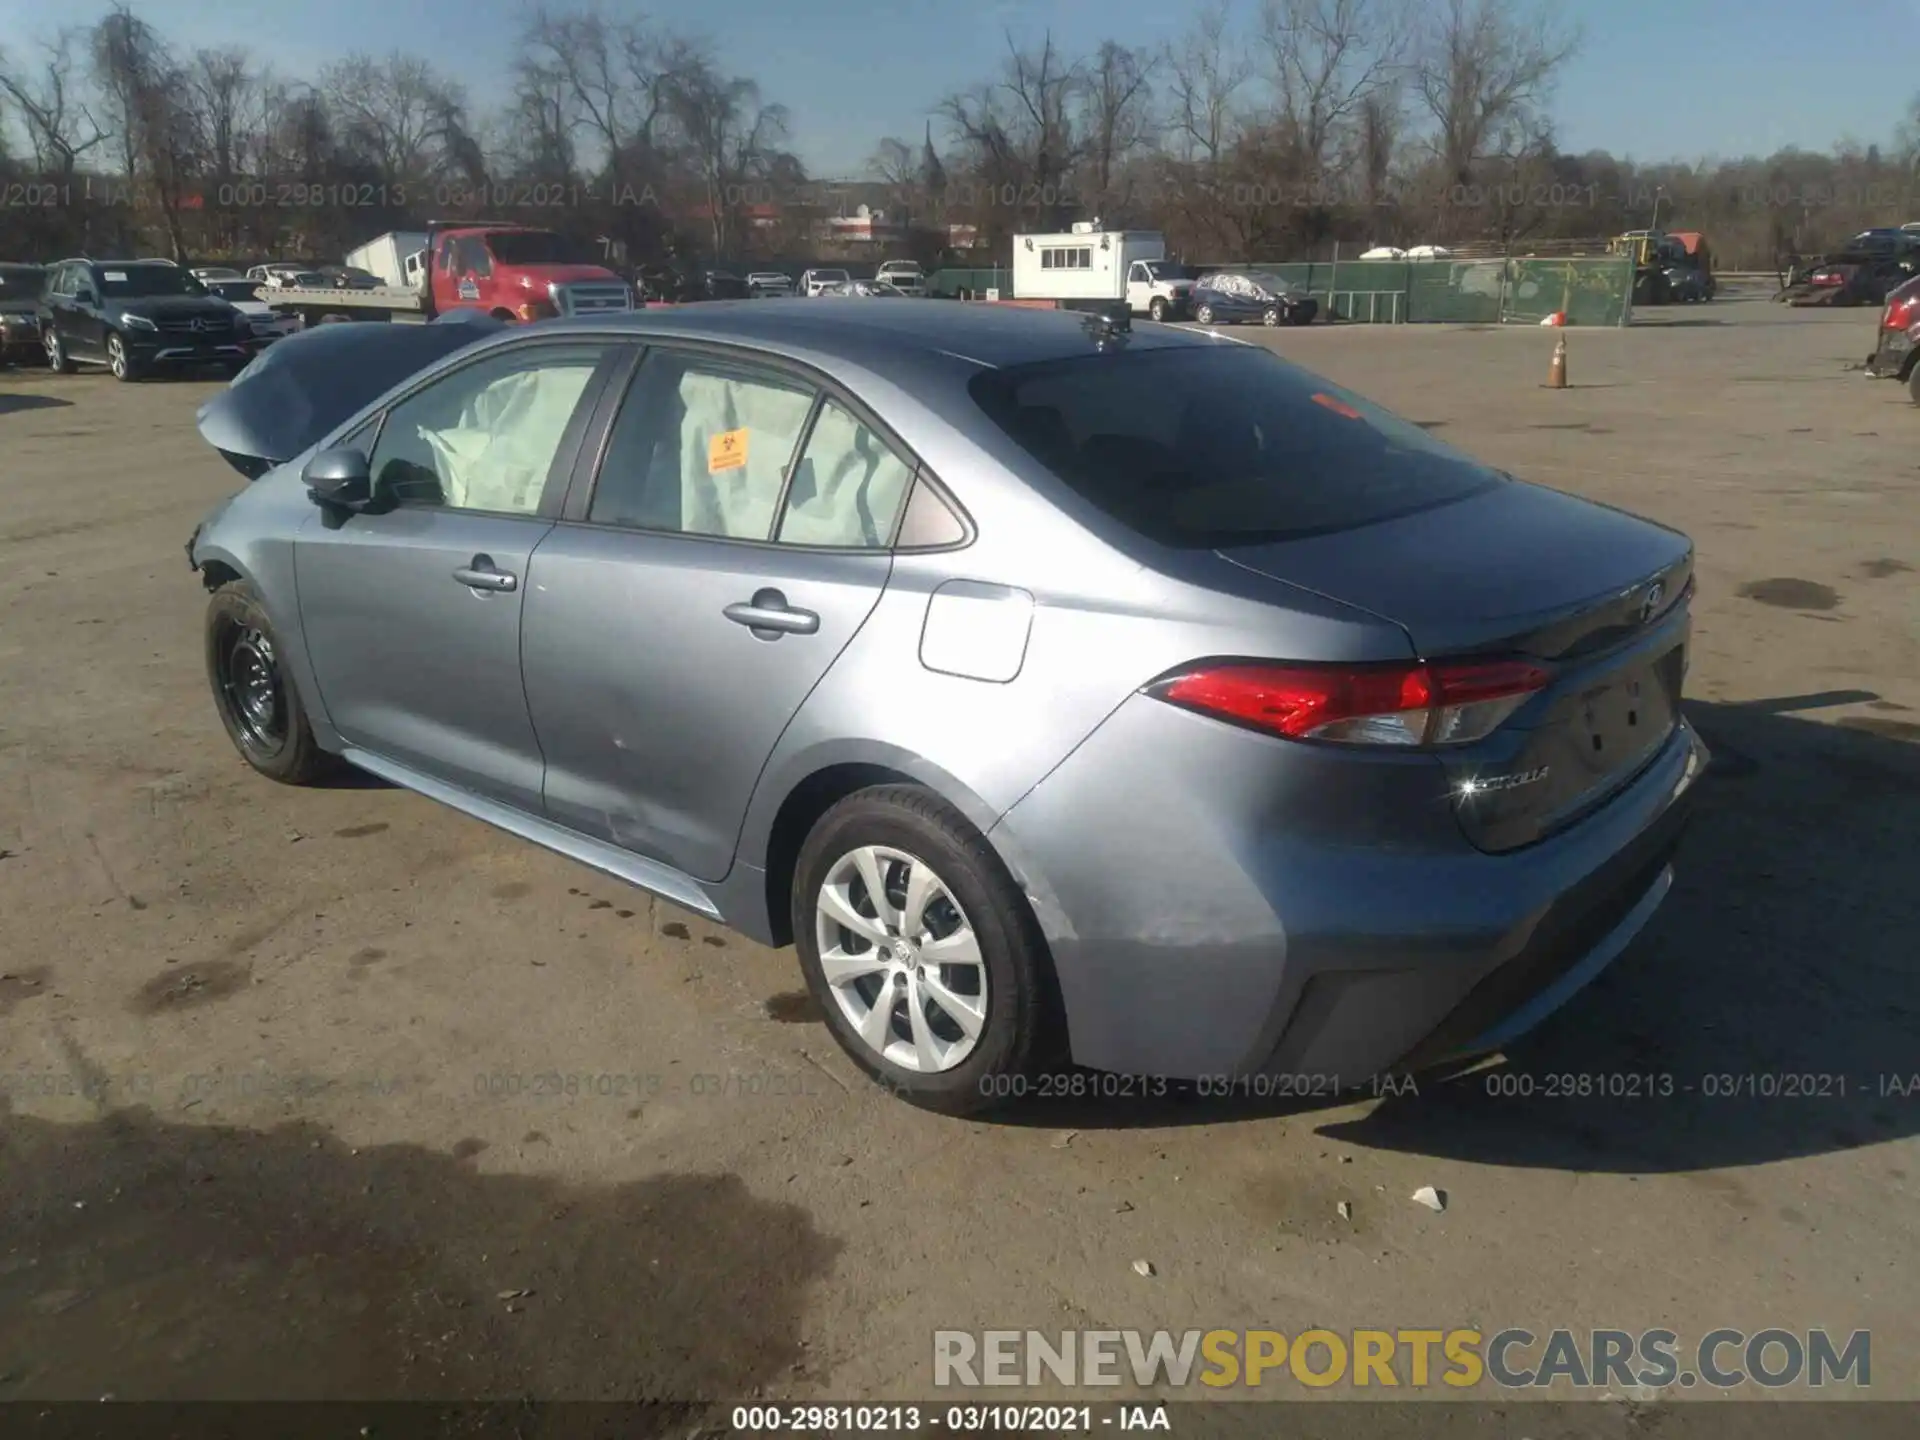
<point x="1591" y="289"/>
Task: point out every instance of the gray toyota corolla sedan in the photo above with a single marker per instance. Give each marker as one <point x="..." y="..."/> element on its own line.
<point x="1062" y="692"/>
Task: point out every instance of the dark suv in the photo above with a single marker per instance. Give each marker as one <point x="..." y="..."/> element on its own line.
<point x="20" y="287"/>
<point x="137" y="315"/>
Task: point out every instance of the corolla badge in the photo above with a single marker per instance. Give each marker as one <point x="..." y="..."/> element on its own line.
<point x="1650" y="602"/>
<point x="1493" y="784"/>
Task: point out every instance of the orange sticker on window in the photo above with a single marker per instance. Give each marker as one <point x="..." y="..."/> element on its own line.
<point x="1339" y="407"/>
<point x="726" y="451"/>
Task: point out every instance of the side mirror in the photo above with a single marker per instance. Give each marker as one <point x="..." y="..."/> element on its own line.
<point x="339" y="478"/>
<point x="86" y="297"/>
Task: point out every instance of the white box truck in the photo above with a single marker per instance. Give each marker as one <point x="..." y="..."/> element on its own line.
<point x="1090" y="269"/>
<point x="395" y="257"/>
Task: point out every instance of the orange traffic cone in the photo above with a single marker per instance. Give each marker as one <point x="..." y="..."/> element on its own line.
<point x="1557" y="371"/>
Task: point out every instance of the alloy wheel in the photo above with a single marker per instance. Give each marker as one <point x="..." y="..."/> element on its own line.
<point x="1204" y="315"/>
<point x="54" y="358"/>
<point x="250" y="688"/>
<point x="901" y="959"/>
<point x="117" y="357"/>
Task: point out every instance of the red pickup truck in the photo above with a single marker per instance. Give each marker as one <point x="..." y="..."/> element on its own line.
<point x="513" y="272"/>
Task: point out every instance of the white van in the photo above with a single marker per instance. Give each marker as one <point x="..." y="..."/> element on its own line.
<point x="1091" y="268"/>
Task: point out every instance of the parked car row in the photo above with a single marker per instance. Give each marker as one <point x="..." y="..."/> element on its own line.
<point x="132" y="317"/>
<point x="681" y="284"/>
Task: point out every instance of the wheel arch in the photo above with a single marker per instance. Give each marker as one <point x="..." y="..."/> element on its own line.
<point x="269" y="569"/>
<point x="786" y="807"/>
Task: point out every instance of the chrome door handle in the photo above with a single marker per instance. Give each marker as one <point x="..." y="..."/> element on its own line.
<point x="480" y="574"/>
<point x="769" y="616"/>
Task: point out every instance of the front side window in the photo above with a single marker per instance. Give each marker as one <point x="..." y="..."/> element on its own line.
<point x="847" y="488"/>
<point x="484" y="437"/>
<point x="701" y="447"/>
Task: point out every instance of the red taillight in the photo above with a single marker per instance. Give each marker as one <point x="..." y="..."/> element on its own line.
<point x="1899" y="313"/>
<point x="1443" y="703"/>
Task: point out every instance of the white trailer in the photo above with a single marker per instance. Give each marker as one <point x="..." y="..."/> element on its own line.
<point x="395" y="257"/>
<point x="1091" y="268"/>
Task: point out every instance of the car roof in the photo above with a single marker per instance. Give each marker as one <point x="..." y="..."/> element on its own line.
<point x="851" y="331"/>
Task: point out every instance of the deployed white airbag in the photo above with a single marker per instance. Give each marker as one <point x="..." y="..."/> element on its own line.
<point x="496" y="458"/>
<point x="736" y="438"/>
<point x="847" y="488"/>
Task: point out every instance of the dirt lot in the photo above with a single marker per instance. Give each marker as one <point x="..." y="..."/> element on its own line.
<point x="273" y="1123"/>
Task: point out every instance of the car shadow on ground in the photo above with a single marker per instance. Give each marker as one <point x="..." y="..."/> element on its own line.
<point x="11" y="403"/>
<point x="149" y="1259"/>
<point x="1767" y="1012"/>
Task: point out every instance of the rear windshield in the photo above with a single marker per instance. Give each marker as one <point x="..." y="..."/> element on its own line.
<point x="1221" y="446"/>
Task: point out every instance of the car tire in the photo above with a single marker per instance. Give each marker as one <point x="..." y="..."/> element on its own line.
<point x="260" y="708"/>
<point x="1271" y="316"/>
<point x="58" y="360"/>
<point x="1204" y="315"/>
<point x="891" y="832"/>
<point x="1157" y="309"/>
<point x="119" y="361"/>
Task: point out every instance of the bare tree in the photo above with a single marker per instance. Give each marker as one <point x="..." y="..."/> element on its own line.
<point x="59" y="127"/>
<point x="1210" y="71"/>
<point x="730" y="136"/>
<point x="1019" y="134"/>
<point x="1117" y="98"/>
<point x="896" y="166"/>
<point x="144" y="89"/>
<point x="221" y="83"/>
<point x="1484" y="72"/>
<point x="397" y="114"/>
<point x="1376" y="141"/>
<point x="608" y="82"/>
<point x="1328" y="57"/>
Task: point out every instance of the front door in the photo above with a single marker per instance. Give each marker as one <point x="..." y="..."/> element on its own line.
<point x="686" y="613"/>
<point x="412" y="615"/>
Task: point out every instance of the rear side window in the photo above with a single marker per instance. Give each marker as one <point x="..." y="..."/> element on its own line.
<point x="1222" y="446"/>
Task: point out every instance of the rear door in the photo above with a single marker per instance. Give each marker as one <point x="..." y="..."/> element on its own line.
<point x="412" y="615"/>
<point x="730" y="544"/>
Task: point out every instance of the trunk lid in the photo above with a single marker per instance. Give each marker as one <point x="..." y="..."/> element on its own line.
<point x="1519" y="570"/>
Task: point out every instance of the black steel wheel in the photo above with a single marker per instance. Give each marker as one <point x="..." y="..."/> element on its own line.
<point x="256" y="699"/>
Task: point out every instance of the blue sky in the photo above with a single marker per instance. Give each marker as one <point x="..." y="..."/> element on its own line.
<point x="1656" y="79"/>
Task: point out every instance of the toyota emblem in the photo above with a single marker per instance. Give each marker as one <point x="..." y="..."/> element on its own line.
<point x="1650" y="602"/>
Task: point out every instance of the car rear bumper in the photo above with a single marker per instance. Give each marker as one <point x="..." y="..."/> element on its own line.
<point x="1197" y="933"/>
<point x="1892" y="357"/>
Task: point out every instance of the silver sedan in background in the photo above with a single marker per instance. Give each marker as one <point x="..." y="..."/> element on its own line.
<point x="1061" y="691"/>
